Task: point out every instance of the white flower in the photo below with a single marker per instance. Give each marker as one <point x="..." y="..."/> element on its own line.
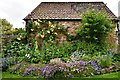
<point x="58" y="27"/>
<point x="52" y="26"/>
<point x="48" y="31"/>
<point x="39" y="20"/>
<point x="55" y="33"/>
<point x="18" y="38"/>
<point x="27" y="55"/>
<point x="36" y="23"/>
<point x="32" y="29"/>
<point x="49" y="23"/>
<point x="52" y="29"/>
<point x="42" y="36"/>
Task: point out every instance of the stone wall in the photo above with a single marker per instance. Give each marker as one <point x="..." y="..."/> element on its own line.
<point x="119" y="42"/>
<point x="71" y="27"/>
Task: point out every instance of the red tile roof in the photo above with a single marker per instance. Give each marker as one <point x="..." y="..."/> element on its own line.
<point x="66" y="10"/>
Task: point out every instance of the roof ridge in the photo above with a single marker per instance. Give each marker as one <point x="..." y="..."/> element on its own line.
<point x="77" y="2"/>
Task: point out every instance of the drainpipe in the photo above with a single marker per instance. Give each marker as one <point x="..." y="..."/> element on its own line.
<point x="118" y="27"/>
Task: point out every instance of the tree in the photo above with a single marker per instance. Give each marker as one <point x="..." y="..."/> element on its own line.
<point x="6" y="27"/>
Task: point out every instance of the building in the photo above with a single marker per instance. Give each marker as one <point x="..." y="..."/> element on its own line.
<point x="67" y="13"/>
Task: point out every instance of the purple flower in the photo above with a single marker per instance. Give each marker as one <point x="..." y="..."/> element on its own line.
<point x="95" y="66"/>
<point x="28" y="70"/>
<point x="82" y="63"/>
<point x="48" y="71"/>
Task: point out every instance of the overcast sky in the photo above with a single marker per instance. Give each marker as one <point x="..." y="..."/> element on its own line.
<point x="15" y="10"/>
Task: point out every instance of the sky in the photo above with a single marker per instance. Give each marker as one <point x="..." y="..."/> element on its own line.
<point x="15" y="10"/>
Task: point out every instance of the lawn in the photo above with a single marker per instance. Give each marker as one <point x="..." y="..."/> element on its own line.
<point x="8" y="75"/>
<point x="109" y="75"/>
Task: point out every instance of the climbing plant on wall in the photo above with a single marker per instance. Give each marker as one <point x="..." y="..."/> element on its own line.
<point x="43" y="31"/>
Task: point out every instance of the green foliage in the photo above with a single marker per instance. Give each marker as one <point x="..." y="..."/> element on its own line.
<point x="105" y="61"/>
<point x="21" y="37"/>
<point x="6" y="30"/>
<point x="116" y="57"/>
<point x="51" y="51"/>
<point x="21" y="52"/>
<point x="18" y="31"/>
<point x="14" y="49"/>
<point x="6" y="27"/>
<point x="32" y="53"/>
<point x="95" y="27"/>
<point x="89" y="48"/>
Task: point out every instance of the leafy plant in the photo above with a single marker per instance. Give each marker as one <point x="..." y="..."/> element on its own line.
<point x="95" y="27"/>
<point x="89" y="48"/>
<point x="105" y="61"/>
<point x="19" y="30"/>
<point x="116" y="57"/>
<point x="51" y="51"/>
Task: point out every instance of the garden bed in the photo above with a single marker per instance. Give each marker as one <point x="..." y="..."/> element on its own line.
<point x="83" y="55"/>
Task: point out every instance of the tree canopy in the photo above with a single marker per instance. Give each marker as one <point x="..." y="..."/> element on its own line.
<point x="6" y="27"/>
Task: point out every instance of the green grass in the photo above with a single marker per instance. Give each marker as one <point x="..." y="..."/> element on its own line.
<point x="8" y="75"/>
<point x="109" y="75"/>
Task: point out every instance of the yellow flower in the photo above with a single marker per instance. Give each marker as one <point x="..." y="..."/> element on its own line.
<point x="49" y="23"/>
<point x="55" y="33"/>
<point x="52" y="26"/>
<point x="36" y="23"/>
<point x="42" y="36"/>
<point x="48" y="31"/>
<point x="18" y="39"/>
<point x="58" y="27"/>
<point x="39" y="20"/>
<point x="20" y="36"/>
<point x="32" y="29"/>
<point x="52" y="29"/>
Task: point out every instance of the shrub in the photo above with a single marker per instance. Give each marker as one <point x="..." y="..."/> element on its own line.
<point x="95" y="27"/>
<point x="7" y="28"/>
